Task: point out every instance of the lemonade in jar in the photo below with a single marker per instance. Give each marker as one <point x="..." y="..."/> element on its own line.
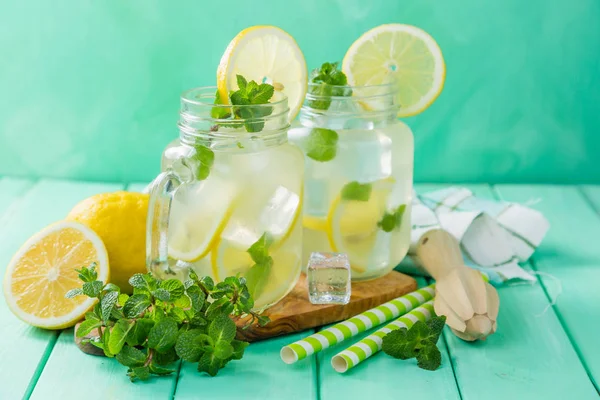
<point x="358" y="154"/>
<point x="229" y="199"/>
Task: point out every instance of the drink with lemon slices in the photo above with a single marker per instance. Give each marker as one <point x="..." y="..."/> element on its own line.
<point x="358" y="178"/>
<point x="233" y="186"/>
<point x="359" y="156"/>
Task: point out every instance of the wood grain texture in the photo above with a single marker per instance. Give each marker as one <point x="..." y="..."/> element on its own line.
<point x="295" y="313"/>
<point x="529" y="354"/>
<point x="44" y="203"/>
<point x="384" y="377"/>
<point x="571" y="254"/>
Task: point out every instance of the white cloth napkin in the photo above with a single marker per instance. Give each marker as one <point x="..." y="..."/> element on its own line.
<point x="494" y="236"/>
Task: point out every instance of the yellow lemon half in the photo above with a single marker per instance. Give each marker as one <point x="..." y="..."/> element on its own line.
<point x="43" y="271"/>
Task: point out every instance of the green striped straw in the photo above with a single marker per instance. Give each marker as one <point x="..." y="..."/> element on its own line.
<point x="355" y="325"/>
<point x="370" y="345"/>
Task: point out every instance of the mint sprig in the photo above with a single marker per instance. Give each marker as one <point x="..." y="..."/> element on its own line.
<point x="330" y="78"/>
<point x="165" y="320"/>
<point x="241" y="100"/>
<point x="420" y="342"/>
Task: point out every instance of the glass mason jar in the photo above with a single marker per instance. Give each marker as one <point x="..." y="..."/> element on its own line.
<point x="358" y="176"/>
<point x="229" y="198"/>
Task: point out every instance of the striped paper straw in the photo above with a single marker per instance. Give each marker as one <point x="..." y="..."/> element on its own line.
<point x="355" y="325"/>
<point x="370" y="345"/>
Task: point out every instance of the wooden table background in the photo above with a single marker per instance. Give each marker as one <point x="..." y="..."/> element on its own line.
<point x="534" y="355"/>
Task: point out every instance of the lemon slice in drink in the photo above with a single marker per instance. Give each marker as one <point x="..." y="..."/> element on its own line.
<point x="43" y="271"/>
<point x="398" y="53"/>
<point x="352" y="224"/>
<point x="265" y="54"/>
<point x="199" y="214"/>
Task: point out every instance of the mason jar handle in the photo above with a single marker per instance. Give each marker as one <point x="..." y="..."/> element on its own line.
<point x="162" y="191"/>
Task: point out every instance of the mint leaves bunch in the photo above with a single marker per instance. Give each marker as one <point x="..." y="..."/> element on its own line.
<point x="420" y="342"/>
<point x="166" y="320"/>
<point x="329" y="78"/>
<point x="248" y="94"/>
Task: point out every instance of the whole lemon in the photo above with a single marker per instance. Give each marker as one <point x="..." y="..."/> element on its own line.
<point x="119" y="218"/>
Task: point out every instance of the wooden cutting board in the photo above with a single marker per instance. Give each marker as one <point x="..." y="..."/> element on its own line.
<point x="295" y="313"/>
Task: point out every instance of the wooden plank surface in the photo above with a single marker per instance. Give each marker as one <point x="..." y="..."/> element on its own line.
<point x="530" y="353"/>
<point x="570" y="252"/>
<point x="384" y="377"/>
<point x="260" y="375"/>
<point x="67" y="360"/>
<point x="26" y="347"/>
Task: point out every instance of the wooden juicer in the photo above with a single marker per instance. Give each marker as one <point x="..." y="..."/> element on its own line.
<point x="468" y="302"/>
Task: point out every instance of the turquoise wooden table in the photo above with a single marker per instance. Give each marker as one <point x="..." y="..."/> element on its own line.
<point x="539" y="352"/>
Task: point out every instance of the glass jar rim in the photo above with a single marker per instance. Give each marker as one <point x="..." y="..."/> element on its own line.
<point x="204" y="96"/>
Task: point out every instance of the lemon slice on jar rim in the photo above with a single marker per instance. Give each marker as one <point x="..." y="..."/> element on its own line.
<point x="265" y="54"/>
<point x="401" y="54"/>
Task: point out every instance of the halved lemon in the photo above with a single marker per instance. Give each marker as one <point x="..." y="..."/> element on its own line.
<point x="199" y="214"/>
<point x="43" y="271"/>
<point x="352" y="224"/>
<point x="398" y="53"/>
<point x="265" y="54"/>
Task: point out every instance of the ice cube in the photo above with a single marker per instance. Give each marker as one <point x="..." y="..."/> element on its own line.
<point x="328" y="277"/>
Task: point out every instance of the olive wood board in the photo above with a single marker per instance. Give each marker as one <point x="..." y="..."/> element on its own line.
<point x="296" y="313"/>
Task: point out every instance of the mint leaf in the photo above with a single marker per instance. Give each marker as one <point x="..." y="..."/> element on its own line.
<point x="396" y="344"/>
<point x="111" y="287"/>
<point x="143" y="281"/>
<point x="166" y="358"/>
<point x="161" y="294"/>
<point x="242" y="83"/>
<point x="321" y="144"/>
<point x="163" y="335"/>
<point x="222" y="328"/>
<point x="73" y="293"/>
<point x="209" y="363"/>
<point x="436" y="326"/>
<point x="190" y="344"/>
<point x="107" y="304"/>
<point x="131" y="357"/>
<point x="223" y="349"/>
<point x="220" y="112"/>
<point x="93" y="289"/>
<point x="357" y="191"/>
<point x="159" y="370"/>
<point x="87" y="326"/>
<point x="183" y="302"/>
<point x="197" y="297"/>
<point x="238" y="349"/>
<point x="137" y="336"/>
<point x="391" y="221"/>
<point x="174" y="287"/>
<point x="122" y="299"/>
<point x="88" y="274"/>
<point x="142" y="373"/>
<point x="204" y="158"/>
<point x="136" y="305"/>
<point x="118" y="335"/>
<point x="105" y="340"/>
<point x="429" y="358"/>
<point x="259" y="251"/>
<point x="257" y="276"/>
<point x="419" y="341"/>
